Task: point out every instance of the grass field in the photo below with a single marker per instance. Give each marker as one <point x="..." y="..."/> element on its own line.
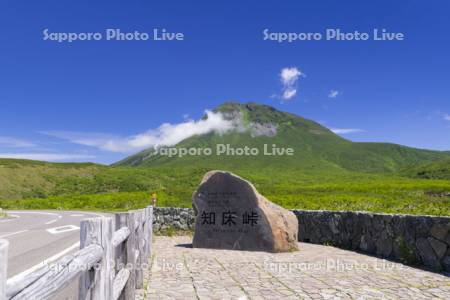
<point x="114" y="189"/>
<point x="326" y="172"/>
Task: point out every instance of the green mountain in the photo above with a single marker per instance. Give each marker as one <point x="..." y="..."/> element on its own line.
<point x="36" y="179"/>
<point x="315" y="147"/>
<point x="434" y="170"/>
<point x="325" y="172"/>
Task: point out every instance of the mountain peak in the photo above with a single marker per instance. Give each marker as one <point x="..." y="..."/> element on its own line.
<point x="253" y="112"/>
<point x="249" y="106"/>
<point x="316" y="147"/>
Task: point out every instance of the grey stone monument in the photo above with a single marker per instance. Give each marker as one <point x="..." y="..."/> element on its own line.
<point x="231" y="214"/>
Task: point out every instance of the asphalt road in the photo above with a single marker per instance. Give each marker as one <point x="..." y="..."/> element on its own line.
<point x="39" y="236"/>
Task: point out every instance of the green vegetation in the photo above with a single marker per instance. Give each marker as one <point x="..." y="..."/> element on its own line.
<point x="315" y="146"/>
<point x="129" y="188"/>
<point x="434" y="170"/>
<point x="41" y="180"/>
<point x="326" y="172"/>
<point x="171" y="231"/>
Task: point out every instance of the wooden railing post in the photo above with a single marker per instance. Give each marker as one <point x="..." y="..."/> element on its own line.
<point x="149" y="233"/>
<point x="139" y="247"/>
<point x="3" y="267"/>
<point x="125" y="254"/>
<point x="98" y="283"/>
<point x="146" y="241"/>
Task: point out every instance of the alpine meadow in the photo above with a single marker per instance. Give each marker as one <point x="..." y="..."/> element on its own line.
<point x="326" y="172"/>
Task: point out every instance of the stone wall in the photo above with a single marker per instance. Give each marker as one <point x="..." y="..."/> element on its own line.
<point x="413" y="240"/>
<point x="170" y="217"/>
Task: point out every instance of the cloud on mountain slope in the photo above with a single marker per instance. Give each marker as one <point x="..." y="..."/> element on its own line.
<point x="165" y="135"/>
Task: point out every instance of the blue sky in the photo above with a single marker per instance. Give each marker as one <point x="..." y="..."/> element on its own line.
<point x="72" y="101"/>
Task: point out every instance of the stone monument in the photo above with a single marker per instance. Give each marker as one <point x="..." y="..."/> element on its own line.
<point x="231" y="214"/>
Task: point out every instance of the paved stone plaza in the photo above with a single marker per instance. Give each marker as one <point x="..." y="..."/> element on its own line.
<point x="315" y="272"/>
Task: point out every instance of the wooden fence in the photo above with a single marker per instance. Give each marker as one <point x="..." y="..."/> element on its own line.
<point x="113" y="253"/>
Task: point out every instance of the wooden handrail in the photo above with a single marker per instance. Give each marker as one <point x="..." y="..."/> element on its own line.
<point x="66" y="269"/>
<point x="120" y="235"/>
<point x="119" y="282"/>
<point x="106" y="245"/>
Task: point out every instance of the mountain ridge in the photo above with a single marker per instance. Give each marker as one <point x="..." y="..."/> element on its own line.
<point x="315" y="145"/>
<point x="327" y="172"/>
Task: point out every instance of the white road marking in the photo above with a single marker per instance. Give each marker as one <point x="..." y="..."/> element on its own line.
<point x="35" y="212"/>
<point x="14" y="217"/>
<point x="7" y="220"/>
<point x="62" y="229"/>
<point x="39" y="213"/>
<point x="12" y="233"/>
<point x="18" y="277"/>
<point x="77" y="215"/>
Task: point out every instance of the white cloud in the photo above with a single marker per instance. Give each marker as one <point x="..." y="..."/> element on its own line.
<point x="289" y="78"/>
<point x="333" y="94"/>
<point x="289" y="93"/>
<point x="54" y="157"/>
<point x="290" y="75"/>
<point x="165" y="135"/>
<point x="83" y="138"/>
<point x="11" y="142"/>
<point x="346" y="130"/>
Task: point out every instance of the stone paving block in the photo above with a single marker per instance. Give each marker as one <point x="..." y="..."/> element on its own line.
<point x="315" y="272"/>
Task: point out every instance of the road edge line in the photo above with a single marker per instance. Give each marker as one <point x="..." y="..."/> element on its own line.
<point x="44" y="262"/>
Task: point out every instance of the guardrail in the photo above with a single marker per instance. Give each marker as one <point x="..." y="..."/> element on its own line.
<point x="113" y="253"/>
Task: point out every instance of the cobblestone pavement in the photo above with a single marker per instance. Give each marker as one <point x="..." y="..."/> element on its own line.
<point x="315" y="272"/>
